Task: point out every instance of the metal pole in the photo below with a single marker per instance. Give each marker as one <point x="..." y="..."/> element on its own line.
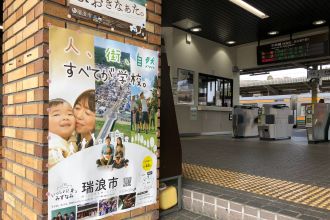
<point x="315" y="87"/>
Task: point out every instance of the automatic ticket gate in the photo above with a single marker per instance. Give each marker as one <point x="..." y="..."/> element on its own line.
<point x="245" y="121"/>
<point x="317" y="122"/>
<point x="275" y="122"/>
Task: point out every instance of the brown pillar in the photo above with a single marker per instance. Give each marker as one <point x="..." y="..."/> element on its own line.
<point x="25" y="97"/>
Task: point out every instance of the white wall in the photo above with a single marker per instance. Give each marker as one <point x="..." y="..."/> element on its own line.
<point x="201" y="56"/>
<point x="205" y="56"/>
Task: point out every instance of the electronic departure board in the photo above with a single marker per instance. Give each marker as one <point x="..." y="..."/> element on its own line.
<point x="295" y="49"/>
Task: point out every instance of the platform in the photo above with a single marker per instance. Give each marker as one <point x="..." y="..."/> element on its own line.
<point x="289" y="179"/>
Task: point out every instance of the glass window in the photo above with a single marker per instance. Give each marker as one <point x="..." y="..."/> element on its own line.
<point x="219" y="95"/>
<point x="215" y="91"/>
<point x="202" y="88"/>
<point x="228" y="93"/>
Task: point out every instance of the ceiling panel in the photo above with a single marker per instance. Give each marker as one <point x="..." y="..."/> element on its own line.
<point x="222" y="20"/>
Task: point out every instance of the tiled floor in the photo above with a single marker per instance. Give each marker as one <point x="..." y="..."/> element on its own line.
<point x="310" y="195"/>
<point x="292" y="160"/>
<point x="289" y="175"/>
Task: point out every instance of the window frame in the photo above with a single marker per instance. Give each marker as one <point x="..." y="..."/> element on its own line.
<point x="224" y="96"/>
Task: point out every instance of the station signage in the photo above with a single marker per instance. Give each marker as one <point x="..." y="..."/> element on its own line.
<point x="123" y="15"/>
<point x="295" y="49"/>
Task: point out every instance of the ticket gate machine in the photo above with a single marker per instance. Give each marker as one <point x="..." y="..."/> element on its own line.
<point x="275" y="122"/>
<point x="317" y="122"/>
<point x="245" y="121"/>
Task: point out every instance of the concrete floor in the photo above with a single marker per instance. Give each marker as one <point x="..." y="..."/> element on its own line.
<point x="292" y="160"/>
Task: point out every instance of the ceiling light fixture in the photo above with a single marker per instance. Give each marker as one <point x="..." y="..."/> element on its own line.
<point x="186" y="24"/>
<point x="273" y="32"/>
<point x="231" y="42"/>
<point x="196" y="29"/>
<point x="249" y="8"/>
<point x="1" y="27"/>
<point x="258" y="74"/>
<point x="319" y="22"/>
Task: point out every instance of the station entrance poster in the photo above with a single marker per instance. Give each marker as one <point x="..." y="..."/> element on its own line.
<point x="102" y="126"/>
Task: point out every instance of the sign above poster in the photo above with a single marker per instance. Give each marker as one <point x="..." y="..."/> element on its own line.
<point x="125" y="15"/>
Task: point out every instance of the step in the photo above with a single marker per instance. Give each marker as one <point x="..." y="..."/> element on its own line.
<point x="229" y="204"/>
<point x="217" y="207"/>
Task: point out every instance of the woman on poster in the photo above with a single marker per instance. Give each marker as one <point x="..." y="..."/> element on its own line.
<point x="84" y="112"/>
<point x="120" y="160"/>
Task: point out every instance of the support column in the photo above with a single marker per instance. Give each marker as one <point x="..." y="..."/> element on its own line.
<point x="315" y="87"/>
<point x="25" y="97"/>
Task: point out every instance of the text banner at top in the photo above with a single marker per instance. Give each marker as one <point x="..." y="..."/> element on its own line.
<point x="127" y="15"/>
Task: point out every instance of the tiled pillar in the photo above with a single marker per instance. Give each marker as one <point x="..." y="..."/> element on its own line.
<point x="25" y="98"/>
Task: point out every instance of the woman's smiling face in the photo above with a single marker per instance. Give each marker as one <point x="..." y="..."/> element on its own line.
<point x="85" y="118"/>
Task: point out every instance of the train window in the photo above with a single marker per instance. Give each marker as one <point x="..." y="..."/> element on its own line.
<point x="215" y="91"/>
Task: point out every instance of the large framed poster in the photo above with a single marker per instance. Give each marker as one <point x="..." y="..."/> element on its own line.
<point x="185" y="87"/>
<point x="102" y="126"/>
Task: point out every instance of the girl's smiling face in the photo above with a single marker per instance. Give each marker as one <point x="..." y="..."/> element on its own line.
<point x="61" y="120"/>
<point x="85" y="118"/>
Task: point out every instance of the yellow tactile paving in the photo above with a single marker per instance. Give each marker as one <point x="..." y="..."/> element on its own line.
<point x="305" y="194"/>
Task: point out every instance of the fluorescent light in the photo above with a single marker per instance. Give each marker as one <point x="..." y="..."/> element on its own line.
<point x="249" y="8"/>
<point x="258" y="74"/>
<point x="319" y="22"/>
<point x="196" y="29"/>
<point x="1" y="27"/>
<point x="231" y="42"/>
<point x="273" y="32"/>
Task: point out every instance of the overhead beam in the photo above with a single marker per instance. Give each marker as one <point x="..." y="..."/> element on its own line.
<point x="272" y="90"/>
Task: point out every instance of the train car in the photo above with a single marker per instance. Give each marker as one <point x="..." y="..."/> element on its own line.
<point x="296" y="103"/>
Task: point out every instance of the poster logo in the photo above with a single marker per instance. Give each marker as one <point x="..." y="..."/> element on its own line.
<point x="147" y="163"/>
<point x="147" y="62"/>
